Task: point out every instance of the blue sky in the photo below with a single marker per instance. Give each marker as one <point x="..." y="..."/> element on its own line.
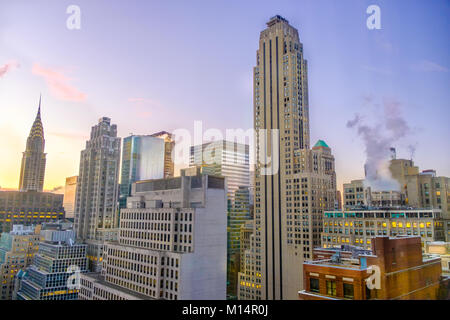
<point x="161" y="65"/>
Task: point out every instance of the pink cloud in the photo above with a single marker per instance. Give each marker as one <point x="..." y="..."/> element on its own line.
<point x="58" y="84"/>
<point x="4" y="69"/>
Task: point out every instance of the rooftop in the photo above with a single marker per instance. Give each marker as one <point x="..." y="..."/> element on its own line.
<point x="321" y="144"/>
<point x="97" y="277"/>
<point x="275" y="19"/>
<point x="345" y="263"/>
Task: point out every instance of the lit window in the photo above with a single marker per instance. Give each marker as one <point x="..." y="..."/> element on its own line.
<point x="331" y="288"/>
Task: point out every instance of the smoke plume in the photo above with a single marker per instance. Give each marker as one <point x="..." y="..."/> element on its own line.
<point x="378" y="139"/>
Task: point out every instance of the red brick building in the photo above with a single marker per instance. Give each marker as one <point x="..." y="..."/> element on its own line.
<point x="396" y="267"/>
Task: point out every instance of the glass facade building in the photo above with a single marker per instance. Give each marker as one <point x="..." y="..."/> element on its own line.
<point x="144" y="158"/>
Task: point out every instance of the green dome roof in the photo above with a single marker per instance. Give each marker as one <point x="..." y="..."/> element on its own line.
<point x="321" y="143"/>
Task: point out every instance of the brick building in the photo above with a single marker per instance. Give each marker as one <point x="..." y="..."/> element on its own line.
<point x="396" y="269"/>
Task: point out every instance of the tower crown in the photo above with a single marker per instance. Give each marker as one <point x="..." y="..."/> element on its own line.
<point x="37" y="130"/>
<point x="276" y="19"/>
<point x="33" y="162"/>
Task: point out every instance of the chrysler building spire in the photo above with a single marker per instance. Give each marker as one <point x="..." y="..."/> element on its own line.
<point x="33" y="161"/>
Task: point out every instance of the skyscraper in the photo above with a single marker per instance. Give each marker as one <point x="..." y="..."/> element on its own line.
<point x="32" y="170"/>
<point x="143" y="158"/>
<point x="69" y="196"/>
<point x="97" y="190"/>
<point x="290" y="199"/>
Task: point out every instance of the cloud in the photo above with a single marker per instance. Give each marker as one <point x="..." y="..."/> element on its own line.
<point x="4" y="69"/>
<point x="429" y="66"/>
<point x="58" y="84"/>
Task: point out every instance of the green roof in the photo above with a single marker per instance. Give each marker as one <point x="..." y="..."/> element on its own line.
<point x="321" y="143"/>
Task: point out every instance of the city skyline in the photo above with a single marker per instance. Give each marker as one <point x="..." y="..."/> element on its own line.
<point x="374" y="66"/>
<point x="224" y="151"/>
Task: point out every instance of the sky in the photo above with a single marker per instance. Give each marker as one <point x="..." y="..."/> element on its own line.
<point x="161" y="65"/>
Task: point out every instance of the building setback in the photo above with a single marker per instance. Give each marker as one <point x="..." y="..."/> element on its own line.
<point x="171" y="244"/>
<point x="97" y="190"/>
<point x="293" y="183"/>
<point x="404" y="273"/>
<point x="58" y="257"/>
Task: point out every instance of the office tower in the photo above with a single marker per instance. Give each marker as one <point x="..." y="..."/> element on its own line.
<point x="17" y="249"/>
<point x="143" y="158"/>
<point x="238" y="215"/>
<point x="230" y="160"/>
<point x="97" y="190"/>
<point x="171" y="244"/>
<point x="169" y="145"/>
<point x="224" y="158"/>
<point x="405" y="273"/>
<point x="32" y="170"/>
<point x="69" y="196"/>
<point x="358" y="226"/>
<point x="54" y="265"/>
<point x="29" y="208"/>
<point x="289" y="200"/>
<point x="246" y="275"/>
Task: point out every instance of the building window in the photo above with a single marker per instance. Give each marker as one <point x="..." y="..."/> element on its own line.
<point x="314" y="285"/>
<point x="331" y="288"/>
<point x="348" y="291"/>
